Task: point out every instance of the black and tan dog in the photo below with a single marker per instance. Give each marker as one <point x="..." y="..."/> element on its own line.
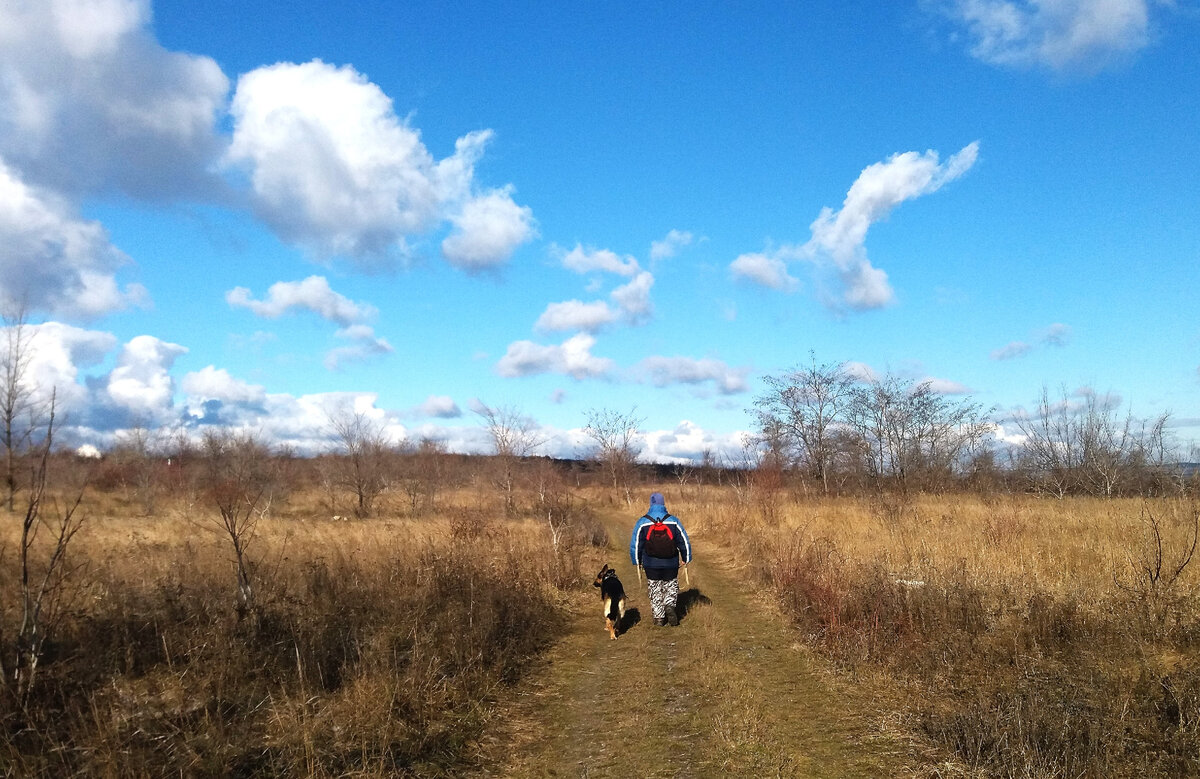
<point x="612" y="594"/>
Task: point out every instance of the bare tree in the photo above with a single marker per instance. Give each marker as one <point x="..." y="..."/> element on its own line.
<point x="618" y="443"/>
<point x="43" y="577"/>
<point x="423" y="471"/>
<point x="1081" y="442"/>
<point x="19" y="412"/>
<point x="239" y="474"/>
<point x="140" y="451"/>
<point x="909" y="432"/>
<point x="802" y="410"/>
<point x="515" y="436"/>
<point x="364" y="447"/>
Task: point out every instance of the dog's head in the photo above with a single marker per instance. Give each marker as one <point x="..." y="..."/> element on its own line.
<point x="605" y="572"/>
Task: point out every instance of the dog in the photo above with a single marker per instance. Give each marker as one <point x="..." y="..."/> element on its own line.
<point x="612" y="594"/>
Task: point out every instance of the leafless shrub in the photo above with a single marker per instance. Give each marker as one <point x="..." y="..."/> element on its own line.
<point x="515" y="436"/>
<point x="1158" y="564"/>
<point x="44" y="569"/>
<point x="618" y="444"/>
<point x="239" y="474"/>
<point x="364" y="450"/>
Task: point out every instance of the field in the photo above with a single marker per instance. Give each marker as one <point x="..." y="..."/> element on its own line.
<point x="1023" y="636"/>
<point x="1002" y="635"/>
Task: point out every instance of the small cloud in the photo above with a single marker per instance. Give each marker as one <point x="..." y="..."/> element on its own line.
<point x="583" y="260"/>
<point x="364" y="345"/>
<point x="1061" y="36"/>
<point x="558" y="396"/>
<point x="860" y="371"/>
<point x="440" y="407"/>
<point x="573" y="358"/>
<point x="487" y="231"/>
<point x="575" y="315"/>
<point x="664" y="371"/>
<point x="766" y="270"/>
<point x="634" y="299"/>
<point x="312" y="294"/>
<point x="1011" y="351"/>
<point x="670" y="246"/>
<point x="945" y="386"/>
<point x="839" y="237"/>
<point x="1056" y="334"/>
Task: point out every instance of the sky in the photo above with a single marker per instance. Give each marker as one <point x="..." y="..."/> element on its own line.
<point x="264" y="214"/>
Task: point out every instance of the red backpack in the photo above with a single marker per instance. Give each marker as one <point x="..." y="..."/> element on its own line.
<point x="660" y="541"/>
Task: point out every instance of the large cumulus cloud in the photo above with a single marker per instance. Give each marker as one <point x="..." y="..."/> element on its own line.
<point x="333" y="168"/>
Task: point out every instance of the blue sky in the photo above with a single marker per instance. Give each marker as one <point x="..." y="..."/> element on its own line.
<point x="257" y="213"/>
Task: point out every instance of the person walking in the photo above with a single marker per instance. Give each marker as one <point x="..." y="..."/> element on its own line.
<point x="658" y="545"/>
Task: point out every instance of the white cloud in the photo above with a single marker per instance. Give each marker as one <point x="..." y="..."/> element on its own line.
<point x="839" y="237"/>
<point x="303" y="422"/>
<point x="213" y="397"/>
<point x="54" y="261"/>
<point x="1056" y="334"/>
<point x="141" y="382"/>
<point x="440" y="406"/>
<point x="670" y="245"/>
<point x="487" y="231"/>
<point x="1058" y="34"/>
<point x="664" y="371"/>
<point x="364" y="345"/>
<point x="334" y="169"/>
<point x="583" y="260"/>
<point x="763" y="269"/>
<point x="945" y="386"/>
<point x="1011" y="351"/>
<point x="634" y="299"/>
<point x="573" y="358"/>
<point x="57" y="352"/>
<point x="1014" y="438"/>
<point x="687" y="443"/>
<point x="92" y="102"/>
<point x="860" y="371"/>
<point x="212" y="383"/>
<point x="575" y="315"/>
<point x="312" y="294"/>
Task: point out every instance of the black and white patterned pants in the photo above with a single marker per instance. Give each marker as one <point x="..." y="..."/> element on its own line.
<point x="663" y="595"/>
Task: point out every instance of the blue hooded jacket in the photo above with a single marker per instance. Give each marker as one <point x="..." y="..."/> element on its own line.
<point x="638" y="556"/>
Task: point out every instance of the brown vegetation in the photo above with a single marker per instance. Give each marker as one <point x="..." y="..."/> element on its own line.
<point x="244" y="630"/>
<point x="242" y="622"/>
<point x="1024" y="636"/>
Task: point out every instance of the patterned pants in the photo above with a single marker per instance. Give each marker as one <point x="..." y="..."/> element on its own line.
<point x="663" y="595"/>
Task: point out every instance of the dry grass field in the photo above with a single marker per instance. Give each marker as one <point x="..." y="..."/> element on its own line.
<point x="1024" y="636"/>
<point x="375" y="646"/>
<point x="1009" y="635"/>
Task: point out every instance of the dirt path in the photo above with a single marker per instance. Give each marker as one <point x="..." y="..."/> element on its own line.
<point x="726" y="692"/>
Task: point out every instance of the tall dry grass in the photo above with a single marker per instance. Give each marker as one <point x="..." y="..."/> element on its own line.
<point x="378" y="648"/>
<point x="1024" y="636"/>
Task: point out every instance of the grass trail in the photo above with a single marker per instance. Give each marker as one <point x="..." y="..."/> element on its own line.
<point x="728" y="691"/>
